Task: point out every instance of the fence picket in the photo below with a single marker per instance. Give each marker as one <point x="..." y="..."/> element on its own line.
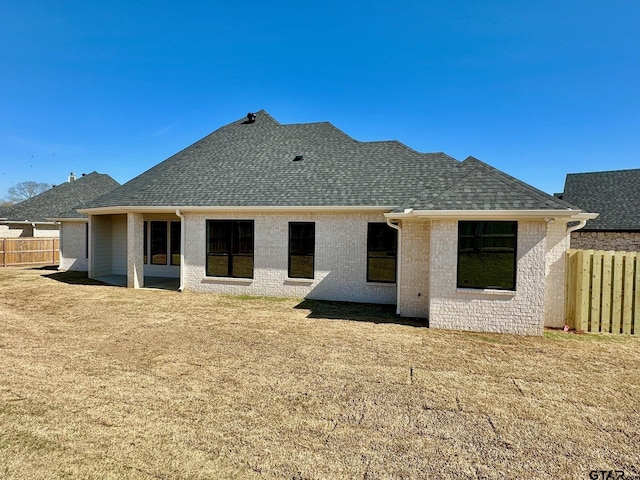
<point x="583" y="294"/>
<point x="607" y="284"/>
<point x="596" y="300"/>
<point x="618" y="277"/>
<point x="627" y="304"/>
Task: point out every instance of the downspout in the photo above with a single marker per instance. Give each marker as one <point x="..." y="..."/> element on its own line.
<point x="182" y="244"/>
<point x="396" y="226"/>
<point x="579" y="226"/>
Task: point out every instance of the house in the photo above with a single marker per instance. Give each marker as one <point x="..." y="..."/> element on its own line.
<point x="304" y="210"/>
<point x="42" y="215"/>
<point x="33" y="217"/>
<point x="615" y="195"/>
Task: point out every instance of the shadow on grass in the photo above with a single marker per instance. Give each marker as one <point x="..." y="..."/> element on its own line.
<point x="358" y="312"/>
<point x="74" y="278"/>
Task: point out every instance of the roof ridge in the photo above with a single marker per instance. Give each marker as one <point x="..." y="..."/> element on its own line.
<point x="625" y="170"/>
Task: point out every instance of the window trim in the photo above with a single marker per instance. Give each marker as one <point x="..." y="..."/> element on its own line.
<point x="395" y="257"/>
<point x="488" y="288"/>
<point x="313" y="254"/>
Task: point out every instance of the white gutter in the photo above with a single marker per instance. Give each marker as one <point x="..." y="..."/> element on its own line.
<point x="232" y="208"/>
<point x="182" y="244"/>
<point x="396" y="226"/>
<point x="26" y="222"/>
<point x="579" y="226"/>
<point x="492" y="214"/>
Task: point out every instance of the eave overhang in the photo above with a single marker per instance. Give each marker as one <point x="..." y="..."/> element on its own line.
<point x="567" y="215"/>
<point x="231" y="208"/>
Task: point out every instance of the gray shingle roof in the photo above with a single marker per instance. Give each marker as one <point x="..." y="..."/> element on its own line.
<point x="252" y="164"/>
<point x="613" y="194"/>
<point x="60" y="201"/>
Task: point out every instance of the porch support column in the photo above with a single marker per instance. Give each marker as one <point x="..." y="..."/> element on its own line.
<point x="135" y="260"/>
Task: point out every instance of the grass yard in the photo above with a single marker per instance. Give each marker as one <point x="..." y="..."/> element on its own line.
<point x="100" y="382"/>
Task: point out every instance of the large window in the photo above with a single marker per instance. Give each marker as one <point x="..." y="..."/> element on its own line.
<point x="301" y="249"/>
<point x="487" y="255"/>
<point x="158" y="243"/>
<point x="230" y="248"/>
<point x="382" y="245"/>
<point x="162" y="239"/>
<point x="175" y="243"/>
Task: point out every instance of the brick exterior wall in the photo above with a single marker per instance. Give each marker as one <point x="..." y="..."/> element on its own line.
<point x="520" y="312"/>
<point x="73" y="247"/>
<point x="593" y="240"/>
<point x="427" y="272"/>
<point x="17" y="230"/>
<point x="556" y="262"/>
<point x="414" y="271"/>
<point x="340" y="258"/>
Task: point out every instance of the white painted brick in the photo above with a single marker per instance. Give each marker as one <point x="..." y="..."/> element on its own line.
<point x="340" y="261"/>
<point x="520" y="312"/>
<point x="73" y="248"/>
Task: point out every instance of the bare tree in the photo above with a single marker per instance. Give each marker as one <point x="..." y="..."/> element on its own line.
<point x="25" y="190"/>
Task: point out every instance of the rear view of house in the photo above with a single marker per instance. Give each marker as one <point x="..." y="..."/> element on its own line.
<point x="304" y="210"/>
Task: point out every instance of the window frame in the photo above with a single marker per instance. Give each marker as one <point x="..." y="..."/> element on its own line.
<point x="233" y="242"/>
<point x="290" y="254"/>
<point x="370" y="238"/>
<point x="480" y="239"/>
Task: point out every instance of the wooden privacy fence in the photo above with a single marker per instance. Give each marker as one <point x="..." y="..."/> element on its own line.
<point x="603" y="291"/>
<point x="29" y="251"/>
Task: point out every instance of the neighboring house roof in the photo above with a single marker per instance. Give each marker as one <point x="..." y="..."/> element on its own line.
<point x="613" y="194"/>
<point x="267" y="164"/>
<point x="4" y="211"/>
<point x="62" y="198"/>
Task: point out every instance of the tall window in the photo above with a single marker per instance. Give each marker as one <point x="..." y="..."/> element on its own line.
<point x="487" y="254"/>
<point x="158" y="243"/>
<point x="175" y="243"/>
<point x="382" y="246"/>
<point x="145" y="241"/>
<point x="162" y="239"/>
<point x="302" y="241"/>
<point x="230" y="248"/>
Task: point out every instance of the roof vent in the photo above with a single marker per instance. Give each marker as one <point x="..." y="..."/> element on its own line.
<point x="251" y="117"/>
<point x="298" y="158"/>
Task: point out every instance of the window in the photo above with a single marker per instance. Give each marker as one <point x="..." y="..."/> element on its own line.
<point x="174" y="241"/>
<point x="230" y="248"/>
<point x="145" y="241"/>
<point x="158" y="243"/>
<point x="162" y="239"/>
<point x="382" y="245"/>
<point x="487" y="255"/>
<point x="301" y="249"/>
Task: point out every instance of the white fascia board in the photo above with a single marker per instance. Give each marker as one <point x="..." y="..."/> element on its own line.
<point x="27" y="222"/>
<point x="492" y="214"/>
<point x="68" y="219"/>
<point x="187" y="209"/>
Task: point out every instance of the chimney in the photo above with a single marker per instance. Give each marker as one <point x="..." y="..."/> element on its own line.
<point x="72" y="177"/>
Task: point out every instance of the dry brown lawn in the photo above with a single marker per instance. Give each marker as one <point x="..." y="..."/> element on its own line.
<point x="99" y="382"/>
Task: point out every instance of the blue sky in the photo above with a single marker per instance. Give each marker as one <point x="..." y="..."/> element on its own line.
<point x="536" y="89"/>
